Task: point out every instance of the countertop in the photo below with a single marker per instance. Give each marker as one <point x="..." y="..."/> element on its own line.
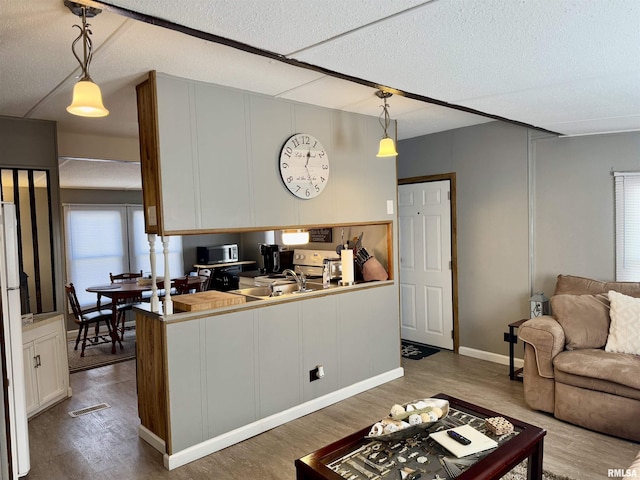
<point x="334" y="288"/>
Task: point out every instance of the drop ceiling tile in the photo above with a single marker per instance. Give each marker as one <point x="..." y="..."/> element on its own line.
<point x="589" y="99"/>
<point x="281" y="26"/>
<point x="434" y="119"/>
<point x="463" y="49"/>
<point x="109" y="175"/>
<point x="598" y="126"/>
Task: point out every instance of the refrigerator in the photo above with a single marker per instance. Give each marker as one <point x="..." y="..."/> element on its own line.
<point x="14" y="430"/>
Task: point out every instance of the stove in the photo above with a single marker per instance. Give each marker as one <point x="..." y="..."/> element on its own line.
<point x="309" y="262"/>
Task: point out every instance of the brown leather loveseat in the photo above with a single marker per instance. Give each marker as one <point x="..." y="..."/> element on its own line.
<point x="567" y="369"/>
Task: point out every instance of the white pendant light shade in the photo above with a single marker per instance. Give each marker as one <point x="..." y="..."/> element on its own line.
<point x="87" y="100"/>
<point x="387" y="148"/>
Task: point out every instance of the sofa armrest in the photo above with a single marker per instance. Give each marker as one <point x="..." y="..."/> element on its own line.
<point x="546" y="336"/>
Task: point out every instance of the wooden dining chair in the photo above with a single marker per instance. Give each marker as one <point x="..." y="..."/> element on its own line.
<point x="128" y="305"/>
<point x="181" y="286"/>
<point x="123" y="277"/>
<point x="86" y="317"/>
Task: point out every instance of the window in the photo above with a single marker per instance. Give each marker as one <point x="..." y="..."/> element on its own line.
<point x="103" y="239"/>
<point x="627" y="191"/>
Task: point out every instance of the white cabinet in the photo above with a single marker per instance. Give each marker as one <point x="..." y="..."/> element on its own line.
<point x="45" y="363"/>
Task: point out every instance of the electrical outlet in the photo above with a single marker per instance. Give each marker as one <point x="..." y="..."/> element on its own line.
<point x="316" y="374"/>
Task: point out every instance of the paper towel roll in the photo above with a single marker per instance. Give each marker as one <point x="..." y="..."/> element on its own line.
<point x="346" y="257"/>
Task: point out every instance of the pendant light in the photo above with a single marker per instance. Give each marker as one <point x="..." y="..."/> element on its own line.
<point x="87" y="98"/>
<point x="387" y="147"/>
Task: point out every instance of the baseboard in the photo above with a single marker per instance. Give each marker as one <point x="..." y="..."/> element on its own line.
<point x="212" y="445"/>
<point x="152" y="439"/>
<point x="489" y="356"/>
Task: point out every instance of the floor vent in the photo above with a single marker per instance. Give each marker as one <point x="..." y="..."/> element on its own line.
<point x="84" y="411"/>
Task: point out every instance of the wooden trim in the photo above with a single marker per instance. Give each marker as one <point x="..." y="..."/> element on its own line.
<point x="454" y="242"/>
<point x="147" y="102"/>
<point x="151" y="376"/>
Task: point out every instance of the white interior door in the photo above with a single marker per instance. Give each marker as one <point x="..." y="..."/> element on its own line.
<point x="426" y="293"/>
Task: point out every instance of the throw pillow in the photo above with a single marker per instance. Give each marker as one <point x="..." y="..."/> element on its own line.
<point x="584" y="319"/>
<point x="624" y="332"/>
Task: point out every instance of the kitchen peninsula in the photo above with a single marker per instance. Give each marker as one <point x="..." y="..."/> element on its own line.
<point x="212" y="378"/>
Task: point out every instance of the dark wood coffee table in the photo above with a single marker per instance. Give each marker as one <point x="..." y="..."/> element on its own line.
<point x="526" y="444"/>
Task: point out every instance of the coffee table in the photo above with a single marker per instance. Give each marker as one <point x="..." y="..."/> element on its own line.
<point x="525" y="443"/>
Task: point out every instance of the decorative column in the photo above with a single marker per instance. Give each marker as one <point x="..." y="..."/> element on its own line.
<point x="168" y="303"/>
<point x="155" y="303"/>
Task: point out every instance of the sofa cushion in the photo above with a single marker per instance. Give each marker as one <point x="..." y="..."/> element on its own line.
<point x="597" y="364"/>
<point x="584" y="319"/>
<point x="624" y="332"/>
<point x="572" y="285"/>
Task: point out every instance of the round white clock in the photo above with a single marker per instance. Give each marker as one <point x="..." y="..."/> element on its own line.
<point x="304" y="166"/>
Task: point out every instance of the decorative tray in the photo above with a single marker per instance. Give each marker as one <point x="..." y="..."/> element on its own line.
<point x="407" y="419"/>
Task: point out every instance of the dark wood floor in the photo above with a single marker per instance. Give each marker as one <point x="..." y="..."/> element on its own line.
<point x="105" y="445"/>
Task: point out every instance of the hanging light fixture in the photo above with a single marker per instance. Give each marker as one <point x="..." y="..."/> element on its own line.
<point x="87" y="98"/>
<point x="387" y="147"/>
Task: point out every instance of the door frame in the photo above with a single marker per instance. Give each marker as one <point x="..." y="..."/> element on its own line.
<point x="454" y="243"/>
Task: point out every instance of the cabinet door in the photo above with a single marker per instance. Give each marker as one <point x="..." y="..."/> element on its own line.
<point x="30" y="385"/>
<point x="48" y="374"/>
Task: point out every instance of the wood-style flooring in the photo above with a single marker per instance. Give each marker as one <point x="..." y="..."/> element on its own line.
<point x="105" y="444"/>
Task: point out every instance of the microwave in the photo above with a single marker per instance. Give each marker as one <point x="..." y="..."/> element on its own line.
<point x="217" y="254"/>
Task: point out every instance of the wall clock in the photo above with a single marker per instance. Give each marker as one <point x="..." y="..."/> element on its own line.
<point x="304" y="166"/>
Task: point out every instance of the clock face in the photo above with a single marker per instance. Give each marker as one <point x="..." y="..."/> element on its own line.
<point x="304" y="166"/>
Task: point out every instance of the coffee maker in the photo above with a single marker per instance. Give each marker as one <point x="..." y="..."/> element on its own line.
<point x="270" y="258"/>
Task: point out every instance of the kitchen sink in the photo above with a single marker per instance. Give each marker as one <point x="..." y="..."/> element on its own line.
<point x="265" y="292"/>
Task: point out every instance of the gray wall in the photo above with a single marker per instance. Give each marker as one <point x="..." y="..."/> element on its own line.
<point x="574" y="204"/>
<point x="26" y="143"/>
<point x="490" y="162"/>
<point x="572" y="210"/>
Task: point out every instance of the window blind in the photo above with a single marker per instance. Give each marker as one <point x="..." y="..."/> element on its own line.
<point x="627" y="217"/>
<point x="103" y="239"/>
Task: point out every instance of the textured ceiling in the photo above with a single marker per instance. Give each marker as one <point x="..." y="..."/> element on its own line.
<point x="568" y="66"/>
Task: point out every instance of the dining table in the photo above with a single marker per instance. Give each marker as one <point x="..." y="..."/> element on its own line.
<point x="129" y="291"/>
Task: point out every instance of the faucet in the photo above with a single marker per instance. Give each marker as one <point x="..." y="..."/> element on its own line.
<point x="300" y="278"/>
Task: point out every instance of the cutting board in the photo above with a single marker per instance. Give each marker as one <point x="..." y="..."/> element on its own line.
<point x="196" y="302"/>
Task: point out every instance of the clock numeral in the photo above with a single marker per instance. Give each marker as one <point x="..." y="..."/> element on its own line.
<point x="322" y="179"/>
<point x="325" y="166"/>
<point x="289" y="179"/>
<point x="306" y="140"/>
<point x="298" y="188"/>
<point x="315" y="143"/>
<point x="322" y="153"/>
<point x="287" y="152"/>
<point x="296" y="142"/>
<point x="285" y="165"/>
<point x="307" y="193"/>
<point x="317" y="188"/>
